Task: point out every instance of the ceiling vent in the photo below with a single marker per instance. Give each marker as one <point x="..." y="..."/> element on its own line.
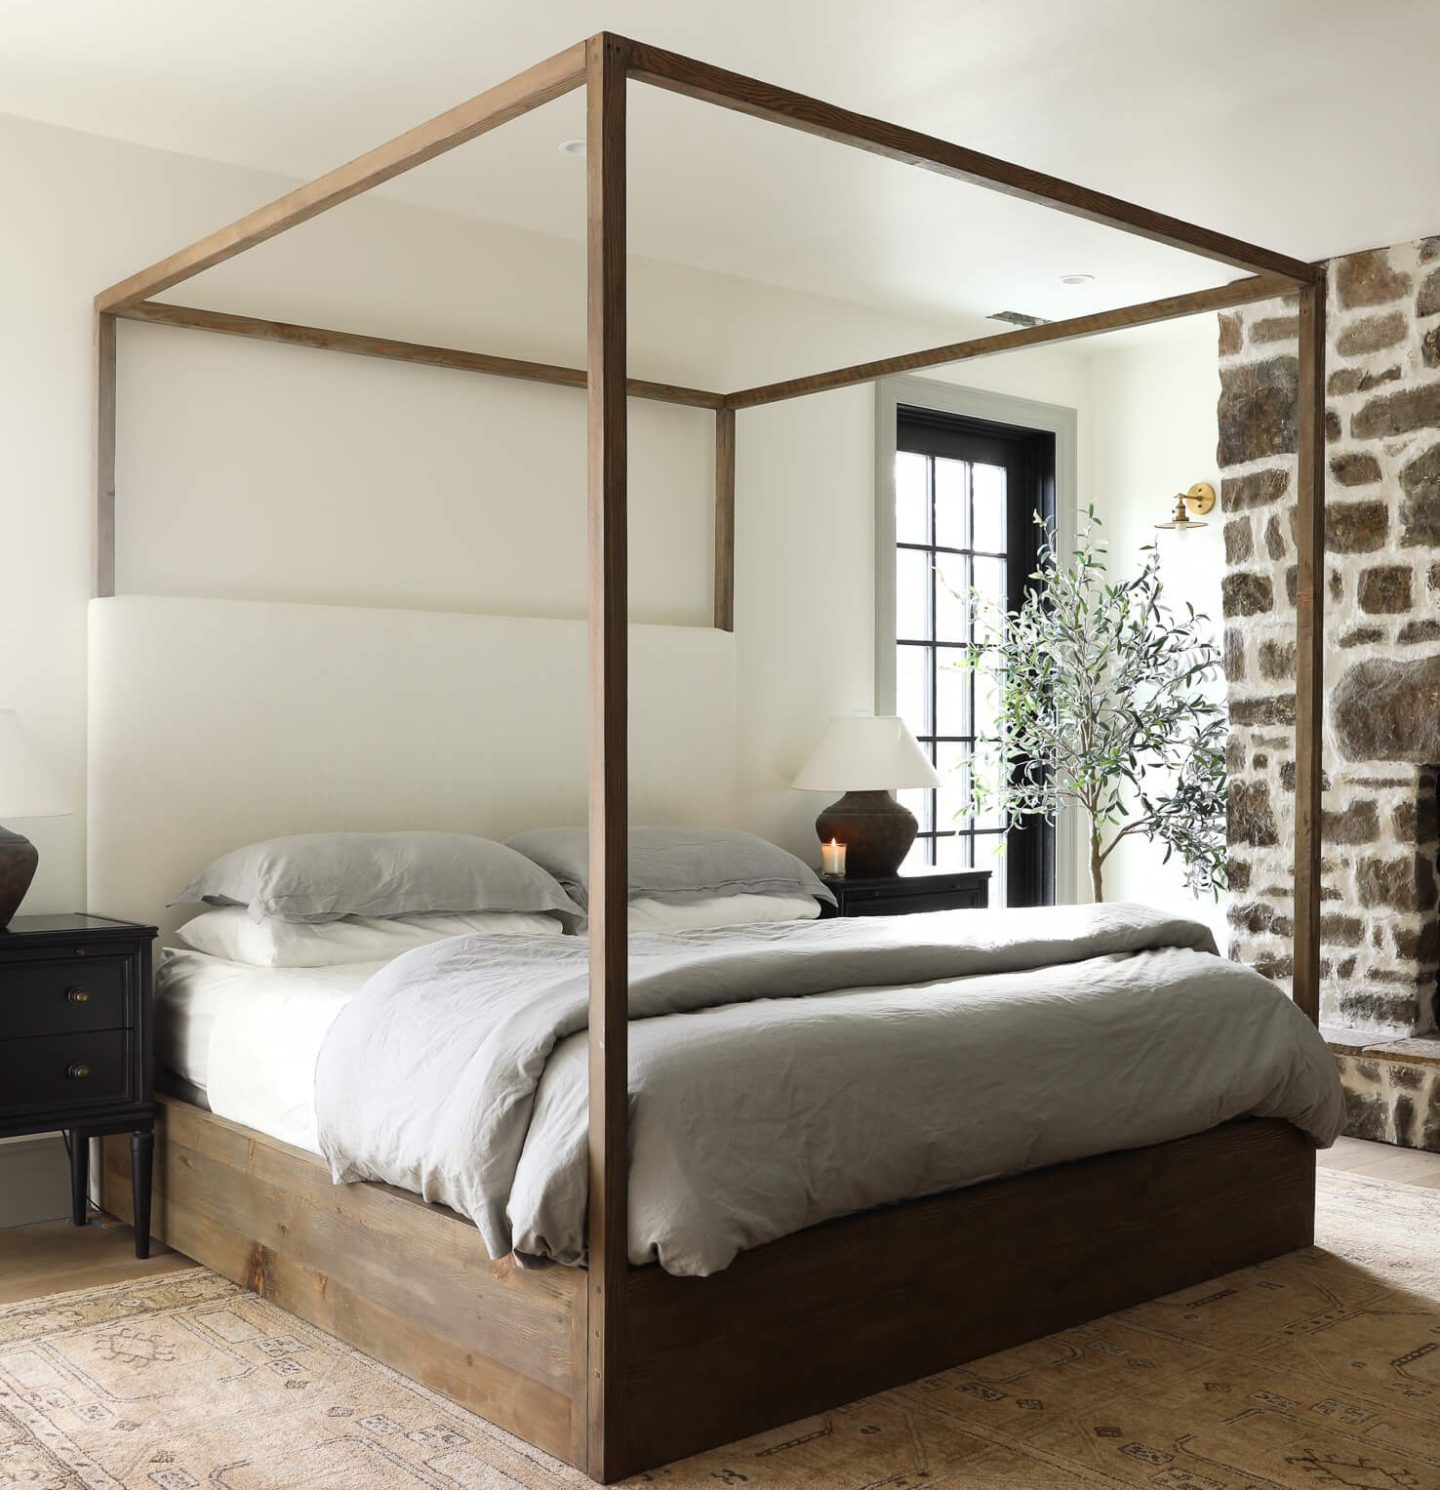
<point x="1017" y="318"/>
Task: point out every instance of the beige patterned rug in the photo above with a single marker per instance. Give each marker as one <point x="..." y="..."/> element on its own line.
<point x="1318" y="1370"/>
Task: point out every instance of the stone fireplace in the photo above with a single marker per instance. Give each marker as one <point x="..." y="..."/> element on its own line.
<point x="1380" y="923"/>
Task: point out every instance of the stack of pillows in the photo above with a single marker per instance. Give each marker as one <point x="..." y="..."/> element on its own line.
<point x="320" y="899"/>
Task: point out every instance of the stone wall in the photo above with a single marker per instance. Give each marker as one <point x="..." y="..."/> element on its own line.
<point x="1380" y="928"/>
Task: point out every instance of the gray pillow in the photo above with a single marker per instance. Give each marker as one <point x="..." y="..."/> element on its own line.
<point x="678" y="864"/>
<point x="324" y="876"/>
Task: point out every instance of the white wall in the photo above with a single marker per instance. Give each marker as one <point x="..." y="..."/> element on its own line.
<point x="1152" y="433"/>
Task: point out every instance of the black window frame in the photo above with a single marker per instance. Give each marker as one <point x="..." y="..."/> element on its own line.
<point x="1029" y="459"/>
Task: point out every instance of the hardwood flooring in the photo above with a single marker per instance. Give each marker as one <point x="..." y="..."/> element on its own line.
<point x="54" y="1257"/>
<point x="1383" y="1161"/>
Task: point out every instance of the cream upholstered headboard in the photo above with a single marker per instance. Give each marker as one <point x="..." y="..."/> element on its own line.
<point x="214" y="723"/>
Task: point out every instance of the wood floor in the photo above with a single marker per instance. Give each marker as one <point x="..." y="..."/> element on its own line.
<point x="54" y="1257"/>
<point x="1383" y="1161"/>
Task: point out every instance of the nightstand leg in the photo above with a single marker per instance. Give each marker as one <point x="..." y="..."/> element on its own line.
<point x="142" y="1162"/>
<point x="79" y="1176"/>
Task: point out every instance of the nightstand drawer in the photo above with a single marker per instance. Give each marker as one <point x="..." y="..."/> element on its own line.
<point x="905" y="905"/>
<point x="58" y="998"/>
<point x="68" y="1071"/>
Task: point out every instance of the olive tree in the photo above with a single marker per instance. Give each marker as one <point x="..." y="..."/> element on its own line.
<point x="1100" y="692"/>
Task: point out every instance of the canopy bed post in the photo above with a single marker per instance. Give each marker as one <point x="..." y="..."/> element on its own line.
<point x="104" y="454"/>
<point x="725" y="519"/>
<point x="1309" y="644"/>
<point x="608" y="1233"/>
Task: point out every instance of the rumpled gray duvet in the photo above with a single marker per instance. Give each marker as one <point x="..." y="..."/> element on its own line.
<point x="781" y="1075"/>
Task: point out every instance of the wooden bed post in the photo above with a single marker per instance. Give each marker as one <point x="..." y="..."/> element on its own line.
<point x="1309" y="643"/>
<point x="104" y="454"/>
<point x="605" y="64"/>
<point x="724" y="520"/>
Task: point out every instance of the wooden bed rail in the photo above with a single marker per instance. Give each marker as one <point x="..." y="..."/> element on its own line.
<point x="1192" y="303"/>
<point x="160" y="313"/>
<point x="732" y="90"/>
<point x="527" y="90"/>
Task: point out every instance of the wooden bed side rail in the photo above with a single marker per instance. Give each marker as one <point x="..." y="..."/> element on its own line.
<point x="745" y="95"/>
<point x="871" y="1301"/>
<point x="160" y="313"/>
<point x="408" y="1283"/>
<point x="1172" y="308"/>
<point x="527" y="90"/>
<point x="802" y="1324"/>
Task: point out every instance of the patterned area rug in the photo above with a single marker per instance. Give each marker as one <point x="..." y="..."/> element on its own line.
<point x="1317" y="1370"/>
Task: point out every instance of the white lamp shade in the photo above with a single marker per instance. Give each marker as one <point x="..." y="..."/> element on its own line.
<point x="28" y="788"/>
<point x="866" y="753"/>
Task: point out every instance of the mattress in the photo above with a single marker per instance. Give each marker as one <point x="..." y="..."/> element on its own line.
<point x="243" y="1040"/>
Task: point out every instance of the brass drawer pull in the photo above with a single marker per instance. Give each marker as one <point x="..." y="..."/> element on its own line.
<point x="77" y="1070"/>
<point x="78" y="996"/>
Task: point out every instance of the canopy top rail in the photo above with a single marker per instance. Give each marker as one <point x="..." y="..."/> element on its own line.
<point x="1272" y="273"/>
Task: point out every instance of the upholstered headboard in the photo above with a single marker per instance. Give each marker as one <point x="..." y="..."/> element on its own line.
<point x="214" y="723"/>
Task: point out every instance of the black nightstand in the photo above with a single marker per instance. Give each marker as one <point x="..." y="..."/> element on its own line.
<point x="75" y="1042"/>
<point x="899" y="894"/>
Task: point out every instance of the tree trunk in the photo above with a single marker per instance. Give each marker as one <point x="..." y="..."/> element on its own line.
<point x="1097" y="867"/>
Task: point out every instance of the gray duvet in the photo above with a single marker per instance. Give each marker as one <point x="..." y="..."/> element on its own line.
<point x="781" y="1075"/>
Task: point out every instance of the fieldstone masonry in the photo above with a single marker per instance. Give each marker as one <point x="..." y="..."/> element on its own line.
<point x="1380" y="924"/>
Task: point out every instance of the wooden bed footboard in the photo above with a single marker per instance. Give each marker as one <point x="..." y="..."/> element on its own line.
<point x="805" y="1323"/>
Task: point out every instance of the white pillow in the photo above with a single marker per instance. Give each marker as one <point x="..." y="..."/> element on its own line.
<point x="720" y="910"/>
<point x="229" y="932"/>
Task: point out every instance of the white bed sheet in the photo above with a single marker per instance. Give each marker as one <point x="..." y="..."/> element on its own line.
<point x="246" y="1038"/>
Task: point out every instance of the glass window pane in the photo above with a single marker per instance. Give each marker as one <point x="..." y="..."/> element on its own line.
<point x="990" y="854"/>
<point x="912" y="594"/>
<point x="912" y="500"/>
<point x="952" y="506"/>
<point x="953" y="853"/>
<point x="990" y="579"/>
<point x="952" y="762"/>
<point x="989" y="484"/>
<point x="952" y="597"/>
<point x="919" y="855"/>
<point x="912" y="688"/>
<point x="921" y="801"/>
<point x="952" y="695"/>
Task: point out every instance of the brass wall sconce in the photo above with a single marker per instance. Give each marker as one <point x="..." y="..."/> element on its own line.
<point x="1189" y="507"/>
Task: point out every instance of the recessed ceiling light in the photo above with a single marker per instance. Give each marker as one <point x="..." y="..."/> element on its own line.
<point x="1077" y="279"/>
<point x="572" y="147"/>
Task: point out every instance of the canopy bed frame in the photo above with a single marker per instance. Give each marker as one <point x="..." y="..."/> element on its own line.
<point x="616" y="1368"/>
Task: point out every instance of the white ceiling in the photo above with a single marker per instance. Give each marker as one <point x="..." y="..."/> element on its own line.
<point x="1308" y="126"/>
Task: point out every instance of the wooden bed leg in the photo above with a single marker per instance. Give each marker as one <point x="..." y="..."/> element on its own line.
<point x="606" y="59"/>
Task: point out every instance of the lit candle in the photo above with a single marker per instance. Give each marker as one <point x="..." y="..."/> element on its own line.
<point x="832" y="858"/>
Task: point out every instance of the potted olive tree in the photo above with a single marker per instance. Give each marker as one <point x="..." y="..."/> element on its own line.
<point x="1100" y="694"/>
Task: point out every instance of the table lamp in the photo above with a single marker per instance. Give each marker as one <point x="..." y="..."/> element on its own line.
<point x="27" y="789"/>
<point x="867" y="756"/>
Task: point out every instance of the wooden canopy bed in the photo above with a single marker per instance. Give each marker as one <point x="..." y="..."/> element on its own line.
<point x="616" y="1368"/>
